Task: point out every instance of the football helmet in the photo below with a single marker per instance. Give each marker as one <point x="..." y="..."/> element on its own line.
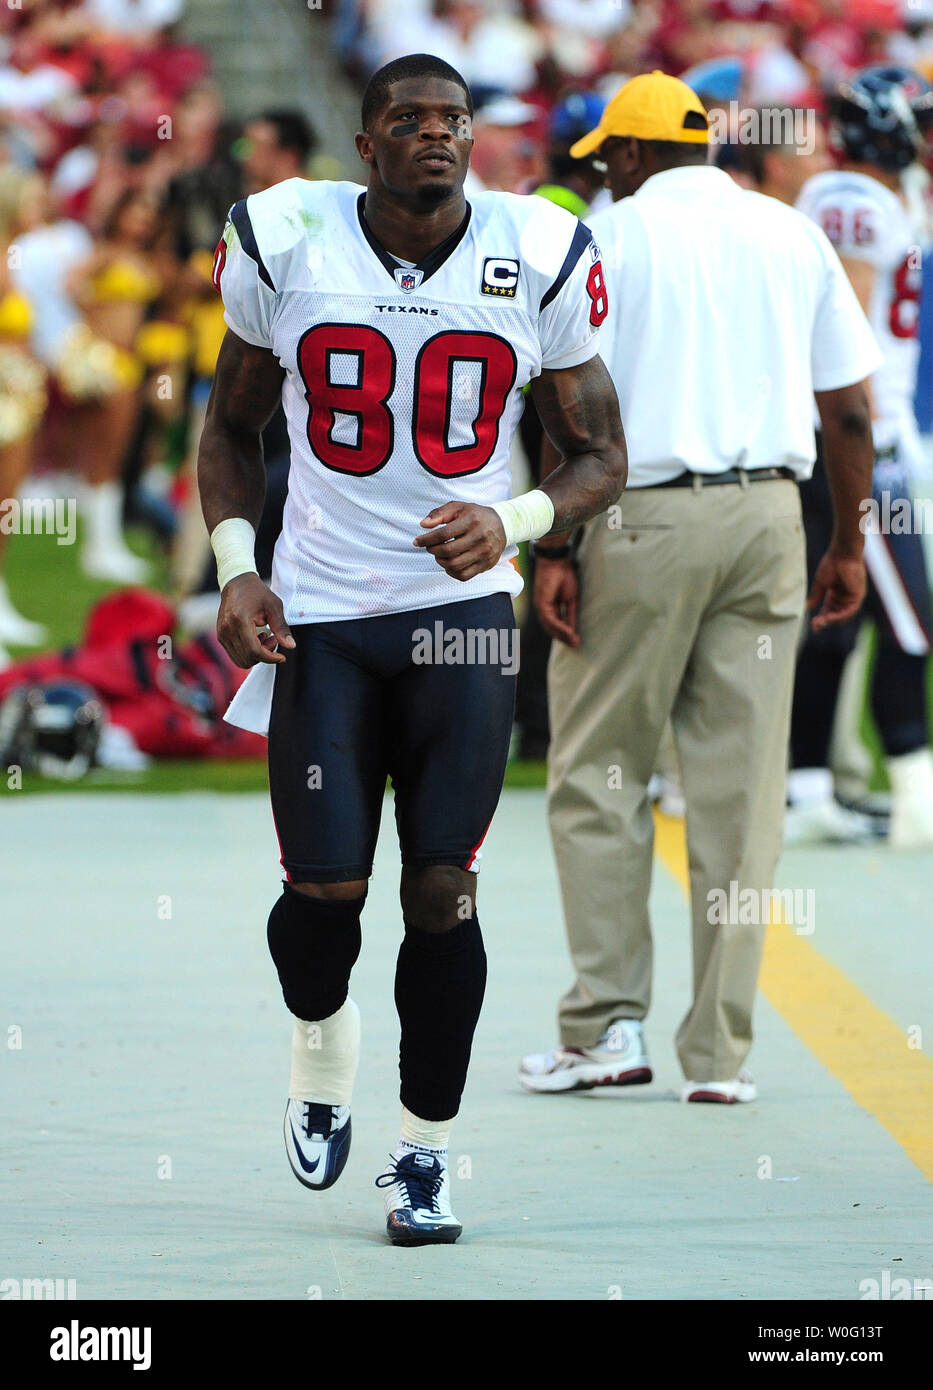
<point x="51" y="727"/>
<point x="881" y="115"/>
<point x="574" y="116"/>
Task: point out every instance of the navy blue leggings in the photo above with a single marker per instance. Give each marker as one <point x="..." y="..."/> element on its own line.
<point x="898" y="685"/>
<point x="425" y="698"/>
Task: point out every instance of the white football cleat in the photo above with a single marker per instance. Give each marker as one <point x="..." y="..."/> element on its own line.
<point x="317" y="1141"/>
<point x="667" y="794"/>
<point x="827" y="823"/>
<point x="742" y="1088"/>
<point x="14" y="628"/>
<point x="116" y="564"/>
<point x="620" y="1058"/>
<point x="417" y="1201"/>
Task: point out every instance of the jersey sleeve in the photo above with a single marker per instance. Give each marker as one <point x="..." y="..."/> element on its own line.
<point x="243" y="280"/>
<point x="843" y="348"/>
<point x="854" y="221"/>
<point x="573" y="306"/>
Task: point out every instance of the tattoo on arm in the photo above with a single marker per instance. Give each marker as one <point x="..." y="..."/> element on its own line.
<point x="585" y="470"/>
<point x="247" y="390"/>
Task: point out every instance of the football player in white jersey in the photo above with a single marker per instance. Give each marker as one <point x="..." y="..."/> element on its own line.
<point x="878" y="119"/>
<point x="399" y="326"/>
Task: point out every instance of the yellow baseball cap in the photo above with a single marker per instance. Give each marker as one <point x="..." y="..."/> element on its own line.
<point x="653" y="106"/>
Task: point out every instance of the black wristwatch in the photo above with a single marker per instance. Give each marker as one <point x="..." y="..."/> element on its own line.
<point x="552" y="552"/>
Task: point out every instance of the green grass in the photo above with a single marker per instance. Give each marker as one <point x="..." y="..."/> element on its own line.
<point x="47" y="585"/>
<point x="198" y="776"/>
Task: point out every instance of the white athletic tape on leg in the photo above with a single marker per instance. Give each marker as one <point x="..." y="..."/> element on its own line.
<point x="527" y="517"/>
<point x="234" y="544"/>
<point x="325" y="1056"/>
<point x="431" y="1134"/>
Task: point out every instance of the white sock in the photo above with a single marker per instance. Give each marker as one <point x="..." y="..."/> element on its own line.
<point x="911" y="775"/>
<point x="325" y="1056"/>
<point x="807" y="786"/>
<point x="13" y="626"/>
<point x="6" y="603"/>
<point x="420" y="1136"/>
<point x="103" y="507"/>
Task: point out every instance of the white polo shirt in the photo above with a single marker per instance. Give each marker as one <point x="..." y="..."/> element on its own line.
<point x="727" y="310"/>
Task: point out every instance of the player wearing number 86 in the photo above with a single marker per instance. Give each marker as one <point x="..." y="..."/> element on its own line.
<point x="881" y="121"/>
<point x="399" y="325"/>
<point x="879" y="118"/>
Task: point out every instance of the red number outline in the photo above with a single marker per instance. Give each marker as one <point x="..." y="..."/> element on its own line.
<point x="906" y="292"/>
<point x="597" y="293"/>
<point x="488" y="417"/>
<point x="220" y="260"/>
<point x="320" y="412"/>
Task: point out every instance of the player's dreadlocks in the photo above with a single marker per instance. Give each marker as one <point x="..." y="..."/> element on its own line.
<point x="411" y="65"/>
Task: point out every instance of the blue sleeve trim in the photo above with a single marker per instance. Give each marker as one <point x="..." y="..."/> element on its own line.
<point x="582" y="238"/>
<point x="244" y="230"/>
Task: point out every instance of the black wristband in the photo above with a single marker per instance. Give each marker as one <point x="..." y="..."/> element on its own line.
<point x="552" y="552"/>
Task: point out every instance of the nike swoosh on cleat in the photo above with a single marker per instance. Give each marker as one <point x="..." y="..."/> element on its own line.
<point x="308" y="1167"/>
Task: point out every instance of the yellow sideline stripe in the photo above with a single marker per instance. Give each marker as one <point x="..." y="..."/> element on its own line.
<point x="853" y="1039"/>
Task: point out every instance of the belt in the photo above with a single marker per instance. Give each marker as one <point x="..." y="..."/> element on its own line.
<point x="731" y="475"/>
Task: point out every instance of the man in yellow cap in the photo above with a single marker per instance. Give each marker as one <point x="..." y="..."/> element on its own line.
<point x="652" y="107"/>
<point x="728" y="311"/>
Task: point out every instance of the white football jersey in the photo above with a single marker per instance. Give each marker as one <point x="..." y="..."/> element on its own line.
<point x="403" y="383"/>
<point x="727" y="310"/>
<point x="866" y="221"/>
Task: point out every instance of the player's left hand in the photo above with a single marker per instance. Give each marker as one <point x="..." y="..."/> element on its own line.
<point x="464" y="538"/>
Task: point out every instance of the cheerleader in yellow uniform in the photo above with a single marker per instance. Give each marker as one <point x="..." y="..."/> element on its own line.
<point x="101" y="370"/>
<point x="22" y="394"/>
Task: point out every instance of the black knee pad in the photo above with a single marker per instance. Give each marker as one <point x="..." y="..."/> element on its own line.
<point x="314" y="943"/>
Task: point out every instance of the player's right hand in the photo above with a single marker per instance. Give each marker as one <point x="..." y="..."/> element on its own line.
<point x="557" y="590"/>
<point x="838" y="589"/>
<point x="246" y="605"/>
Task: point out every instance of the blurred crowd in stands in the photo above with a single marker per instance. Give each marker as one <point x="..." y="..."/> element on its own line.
<point x="532" y="49"/>
<point x="120" y="155"/>
<point x="520" y="56"/>
<point x="119" y="159"/>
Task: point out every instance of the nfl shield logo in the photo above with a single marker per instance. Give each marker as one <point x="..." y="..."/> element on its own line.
<point x="408" y="280"/>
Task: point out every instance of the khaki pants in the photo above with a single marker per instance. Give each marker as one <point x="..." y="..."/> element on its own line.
<point x="690" y="608"/>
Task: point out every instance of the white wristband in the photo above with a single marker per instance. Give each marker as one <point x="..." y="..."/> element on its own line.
<point x="233" y="542"/>
<point x="527" y="517"/>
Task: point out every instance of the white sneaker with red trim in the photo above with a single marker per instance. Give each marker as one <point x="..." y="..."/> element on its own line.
<point x="721" y="1092"/>
<point x="620" y="1058"/>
